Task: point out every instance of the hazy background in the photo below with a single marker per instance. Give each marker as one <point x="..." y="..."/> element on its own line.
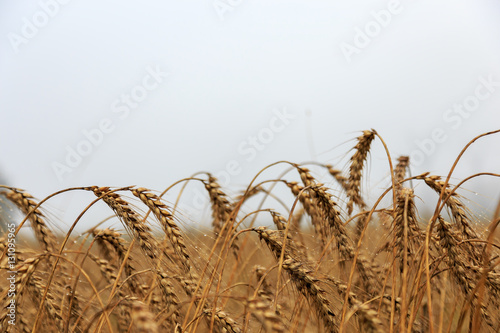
<point x="232" y="66"/>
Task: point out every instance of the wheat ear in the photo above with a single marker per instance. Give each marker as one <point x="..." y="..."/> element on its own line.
<point x="357" y="162"/>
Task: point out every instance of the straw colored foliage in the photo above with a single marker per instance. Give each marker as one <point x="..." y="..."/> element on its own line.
<point x="308" y="252"/>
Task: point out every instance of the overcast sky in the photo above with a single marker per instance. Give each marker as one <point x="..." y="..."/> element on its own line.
<point x="123" y="93"/>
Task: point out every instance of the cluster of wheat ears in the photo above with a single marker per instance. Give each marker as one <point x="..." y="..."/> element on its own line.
<point x="313" y="270"/>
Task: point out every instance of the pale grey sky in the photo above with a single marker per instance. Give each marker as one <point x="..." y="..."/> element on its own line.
<point x="178" y="87"/>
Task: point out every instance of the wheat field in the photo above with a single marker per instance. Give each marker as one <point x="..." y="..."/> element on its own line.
<point x="334" y="262"/>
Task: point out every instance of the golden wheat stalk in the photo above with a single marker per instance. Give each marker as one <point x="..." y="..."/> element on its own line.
<point x="357" y="162"/>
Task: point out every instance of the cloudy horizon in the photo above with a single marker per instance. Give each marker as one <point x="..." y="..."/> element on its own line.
<point x="121" y="93"/>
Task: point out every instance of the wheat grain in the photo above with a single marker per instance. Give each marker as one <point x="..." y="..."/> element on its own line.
<point x="160" y="210"/>
<point x="357" y="162"/>
<point x="24" y="201"/>
<point x="131" y="219"/>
